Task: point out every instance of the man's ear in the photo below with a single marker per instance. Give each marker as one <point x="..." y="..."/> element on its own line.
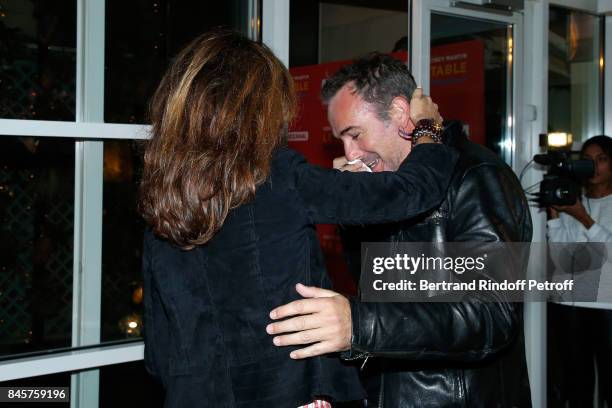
<point x="400" y="112"/>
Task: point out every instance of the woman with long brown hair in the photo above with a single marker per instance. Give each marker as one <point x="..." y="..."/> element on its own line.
<point x="232" y="213"/>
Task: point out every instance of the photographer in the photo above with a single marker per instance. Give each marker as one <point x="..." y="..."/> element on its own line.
<point x="582" y="332"/>
<point x="593" y="223"/>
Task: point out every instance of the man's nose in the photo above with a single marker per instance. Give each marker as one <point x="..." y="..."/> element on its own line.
<point x="351" y="151"/>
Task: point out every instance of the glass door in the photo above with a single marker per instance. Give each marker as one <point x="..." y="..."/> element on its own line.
<point x="471" y="61"/>
<point x="465" y="59"/>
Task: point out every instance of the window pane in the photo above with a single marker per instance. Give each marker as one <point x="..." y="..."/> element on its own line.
<point x="122" y="231"/>
<point x="141" y="38"/>
<point x="36" y="243"/>
<point x="574" y="73"/>
<point x="37" y="59"/>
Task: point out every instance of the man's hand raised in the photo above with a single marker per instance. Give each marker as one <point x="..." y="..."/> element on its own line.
<point x="322" y="319"/>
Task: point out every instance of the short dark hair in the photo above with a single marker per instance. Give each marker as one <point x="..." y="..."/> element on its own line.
<point x="604" y="142"/>
<point x="378" y="78"/>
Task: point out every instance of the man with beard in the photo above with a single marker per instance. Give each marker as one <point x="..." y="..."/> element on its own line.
<point x="468" y="353"/>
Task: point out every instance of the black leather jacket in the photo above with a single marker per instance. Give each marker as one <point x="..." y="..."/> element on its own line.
<point x="468" y="354"/>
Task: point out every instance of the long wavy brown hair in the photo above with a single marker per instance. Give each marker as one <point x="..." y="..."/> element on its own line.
<point x="217" y="115"/>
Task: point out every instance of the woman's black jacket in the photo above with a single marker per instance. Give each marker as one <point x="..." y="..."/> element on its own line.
<point x="206" y="309"/>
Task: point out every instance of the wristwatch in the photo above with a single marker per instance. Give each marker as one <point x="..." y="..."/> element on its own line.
<point x="427" y="127"/>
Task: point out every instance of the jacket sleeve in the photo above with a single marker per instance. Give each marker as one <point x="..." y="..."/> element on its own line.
<point x="559" y="231"/>
<point x="598" y="233"/>
<point x="490" y="207"/>
<point x="471" y="330"/>
<point x="335" y="197"/>
<point x="155" y="325"/>
<point x="566" y="228"/>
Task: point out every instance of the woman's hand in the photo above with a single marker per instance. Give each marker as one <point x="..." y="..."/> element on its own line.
<point x="577" y="211"/>
<point x="342" y="164"/>
<point x="422" y="107"/>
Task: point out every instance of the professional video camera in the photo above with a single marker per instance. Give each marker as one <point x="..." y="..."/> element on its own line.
<point x="562" y="183"/>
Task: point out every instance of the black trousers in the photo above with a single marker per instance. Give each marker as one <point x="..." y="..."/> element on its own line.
<point x="579" y="340"/>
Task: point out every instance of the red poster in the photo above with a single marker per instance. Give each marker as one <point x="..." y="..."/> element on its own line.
<point x="311" y="135"/>
<point x="457" y="84"/>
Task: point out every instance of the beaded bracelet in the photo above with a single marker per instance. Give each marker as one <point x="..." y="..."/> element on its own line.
<point x="427" y="127"/>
